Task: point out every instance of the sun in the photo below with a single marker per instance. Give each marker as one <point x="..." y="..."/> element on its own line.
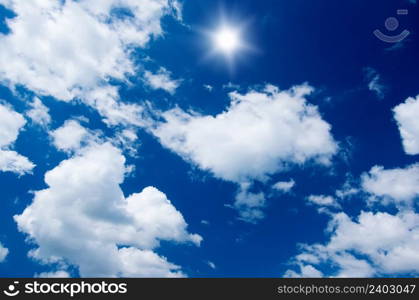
<point x="227" y="40"/>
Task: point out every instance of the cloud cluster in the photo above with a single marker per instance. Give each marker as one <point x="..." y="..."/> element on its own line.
<point x="78" y="48"/>
<point x="11" y="123"/>
<point x="83" y="219"/>
<point x="375" y="243"/>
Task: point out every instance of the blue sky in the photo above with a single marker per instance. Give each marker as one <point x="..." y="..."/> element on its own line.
<point x="131" y="145"/>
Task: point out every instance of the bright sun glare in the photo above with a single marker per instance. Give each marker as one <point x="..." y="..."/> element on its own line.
<point x="227" y="39"/>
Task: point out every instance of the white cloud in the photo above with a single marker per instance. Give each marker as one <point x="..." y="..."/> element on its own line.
<point x="208" y="87"/>
<point x="388" y="244"/>
<point x="11" y="124"/>
<point x="399" y="186"/>
<point x="325" y="201"/>
<point x="259" y="134"/>
<point x="84" y="219"/>
<point x="11" y="161"/>
<point x="127" y="139"/>
<point x="374" y="243"/>
<point x="71" y="136"/>
<point x="306" y="271"/>
<point x="249" y="205"/>
<point x="255" y="137"/>
<point x="284" y="186"/>
<point x="56" y="274"/>
<point x="3" y="253"/>
<point x="77" y="47"/>
<point x="406" y="115"/>
<point x="39" y="113"/>
<point x="161" y="80"/>
<point x="374" y="82"/>
<point x="211" y="265"/>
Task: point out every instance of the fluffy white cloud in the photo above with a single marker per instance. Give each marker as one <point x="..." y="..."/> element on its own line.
<point x="256" y="136"/>
<point x="71" y="136"/>
<point x="399" y="186"/>
<point x="11" y="123"/>
<point x="3" y="252"/>
<point x="406" y="115"/>
<point x="388" y="244"/>
<point x="77" y="47"/>
<point x="259" y="134"/>
<point x="84" y="219"/>
<point x="161" y="80"/>
<point x="39" y="113"/>
<point x="324" y="201"/>
<point x="284" y="186"/>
